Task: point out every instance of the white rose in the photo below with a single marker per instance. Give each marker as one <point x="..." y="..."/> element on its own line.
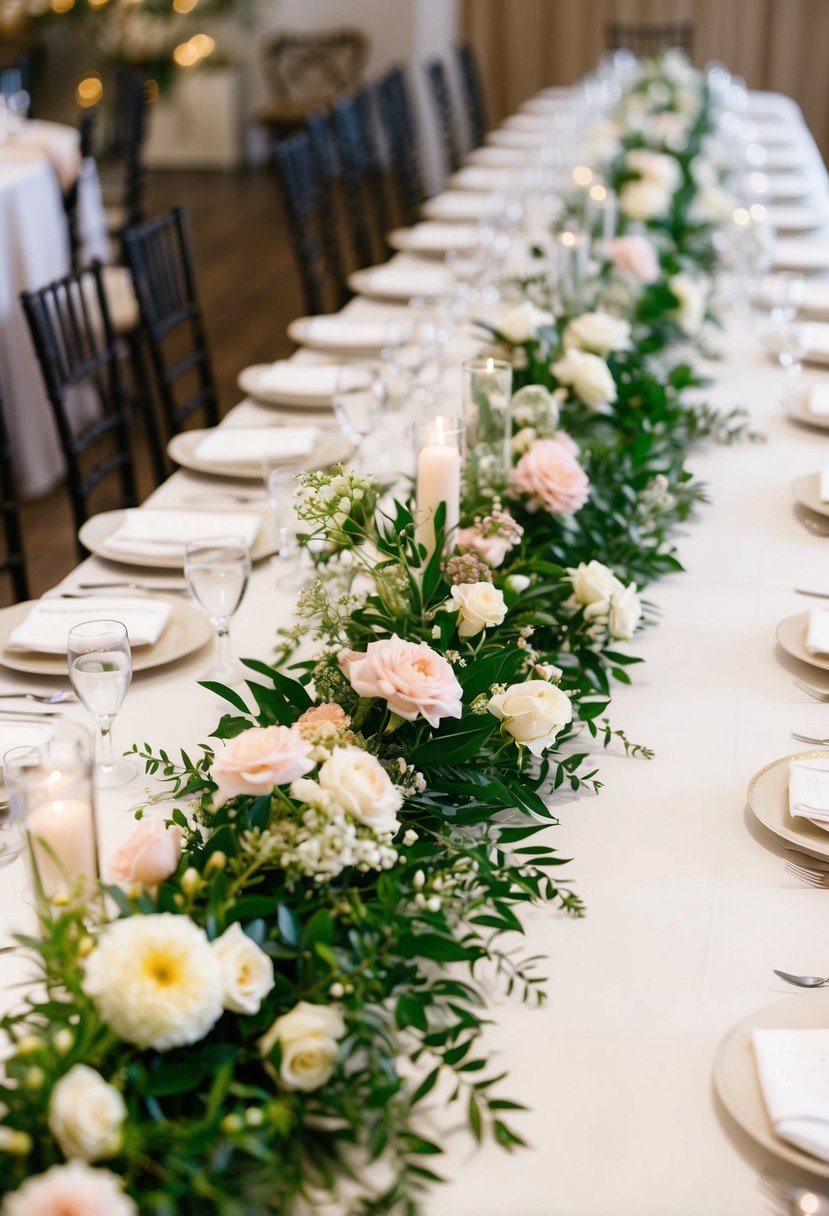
<point x="518" y="583"/>
<point x="533" y="713"/>
<point x="714" y="203"/>
<point x="625" y="613"/>
<point x="86" y="1115"/>
<point x="644" y="200"/>
<point x="358" y="783"/>
<point x="690" y="311"/>
<point x="588" y="375"/>
<point x="310" y="1051"/>
<point x="657" y="168"/>
<point x="601" y="143"/>
<point x="480" y="605"/>
<point x="524" y="322"/>
<point x="598" y="332"/>
<point x="246" y="970"/>
<point x="593" y="582"/>
<point x="307" y="791"/>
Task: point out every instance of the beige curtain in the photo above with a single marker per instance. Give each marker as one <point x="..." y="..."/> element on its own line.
<point x="524" y="45"/>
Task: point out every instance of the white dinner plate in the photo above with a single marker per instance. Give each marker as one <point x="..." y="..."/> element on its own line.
<point x="434" y="239"/>
<point x="801" y="253"/>
<point x="97" y="530"/>
<point x="789" y="158"/>
<point x="814" y="342"/>
<point x="791" y="635"/>
<point x="494" y="156"/>
<point x="393" y="283"/>
<point x="187" y="630"/>
<point x="460" y="207"/>
<point x="768" y="801"/>
<point x="797" y="217"/>
<point x="795" y="405"/>
<point x="738" y="1084"/>
<point x="250" y="381"/>
<point x="486" y="178"/>
<point x="182" y="448"/>
<point x="506" y="137"/>
<point x="795" y="186"/>
<point x="806" y="491"/>
<point x="342" y="337"/>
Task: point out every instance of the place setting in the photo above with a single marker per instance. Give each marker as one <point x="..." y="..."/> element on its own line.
<point x="238" y="451"/>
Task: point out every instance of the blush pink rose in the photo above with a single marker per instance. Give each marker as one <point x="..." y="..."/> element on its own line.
<point x="636" y="255"/>
<point x="73" y="1189"/>
<point x="149" y="855"/>
<point x="567" y="442"/>
<point x="409" y="676"/>
<point x="493" y="549"/>
<point x="551" y="478"/>
<point x="256" y="761"/>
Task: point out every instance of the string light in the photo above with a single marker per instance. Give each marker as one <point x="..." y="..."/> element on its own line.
<point x="62" y="6"/>
<point x="184" y="6"/>
<point x="89" y="91"/>
<point x="188" y="54"/>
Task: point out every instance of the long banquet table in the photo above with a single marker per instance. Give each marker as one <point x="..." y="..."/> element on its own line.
<point x="688" y="904"/>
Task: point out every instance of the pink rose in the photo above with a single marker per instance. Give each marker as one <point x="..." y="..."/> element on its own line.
<point x="551" y="478"/>
<point x="636" y="255"/>
<point x="492" y="549"/>
<point x="567" y="442"/>
<point x="256" y="761"/>
<point x="409" y="676"/>
<point x="149" y="855"/>
<point x="74" y="1189"/>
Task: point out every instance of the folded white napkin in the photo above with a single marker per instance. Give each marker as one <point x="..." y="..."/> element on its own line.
<point x="151" y="533"/>
<point x="494" y="154"/>
<point x="23" y="734"/>
<point x="796" y="217"/>
<point x="814" y="340"/>
<point x="809" y="791"/>
<point x="484" y="177"/>
<point x="338" y="331"/>
<point x="510" y="138"/>
<point x="58" y="143"/>
<point x="815" y="299"/>
<point x="793" y="1066"/>
<point x="407" y="280"/>
<point x="795" y="185"/>
<point x="817" y="636"/>
<point x="299" y="379"/>
<point x="46" y="627"/>
<point x="824" y="484"/>
<point x="802" y="254"/>
<point x="817" y="401"/>
<point x="460" y="205"/>
<point x="434" y="235"/>
<point x="250" y="445"/>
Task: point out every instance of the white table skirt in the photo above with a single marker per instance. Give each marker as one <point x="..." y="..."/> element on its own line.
<point x="688" y="907"/>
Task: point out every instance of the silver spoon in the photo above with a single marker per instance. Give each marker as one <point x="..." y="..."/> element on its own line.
<point x="802" y="981"/>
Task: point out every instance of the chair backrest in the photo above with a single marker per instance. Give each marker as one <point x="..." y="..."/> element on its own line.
<point x="315" y="67"/>
<point x="86" y="131"/>
<point x="160" y="259"/>
<point x="78" y="352"/>
<point x="363" y="178"/>
<point x="442" y="100"/>
<point x="14" y="562"/>
<point x="14" y="77"/>
<point x="127" y="142"/>
<point x="646" y="38"/>
<point x="473" y="92"/>
<point x="401" y="141"/>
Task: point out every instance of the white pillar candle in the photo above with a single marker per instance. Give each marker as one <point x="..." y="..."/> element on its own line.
<point x="438" y="480"/>
<point x="67" y="827"/>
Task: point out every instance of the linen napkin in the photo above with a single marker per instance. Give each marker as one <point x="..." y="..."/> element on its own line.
<point x="149" y="533"/>
<point x="815" y="298"/>
<point x="338" y="331"/>
<point x="434" y="235"/>
<point x="824" y="484"/>
<point x="802" y="254"/>
<point x="817" y="401"/>
<point x="817" y="635"/>
<point x="46" y="627"/>
<point x="793" y="1067"/>
<point x="814" y="341"/>
<point x="406" y="281"/>
<point x="250" y="445"/>
<point x="23" y="734"/>
<point x="484" y="177"/>
<point x="809" y="791"/>
<point x="460" y="205"/>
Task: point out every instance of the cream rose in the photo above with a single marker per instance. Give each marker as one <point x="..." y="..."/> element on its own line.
<point x="625" y="613"/>
<point x="74" y="1189"/>
<point x="690" y="309"/>
<point x="644" y="200"/>
<point x="593" y="582"/>
<point x="257" y="760"/>
<point x="551" y="478"/>
<point x="479" y="605"/>
<point x="149" y="855"/>
<point x="656" y="167"/>
<point x="533" y="713"/>
<point x="308" y="1037"/>
<point x="524" y="322"/>
<point x="598" y="332"/>
<point x="358" y="783"/>
<point x="412" y="678"/>
<point x="247" y="972"/>
<point x="589" y="377"/>
<point x="635" y="255"/>
<point x="86" y="1115"/>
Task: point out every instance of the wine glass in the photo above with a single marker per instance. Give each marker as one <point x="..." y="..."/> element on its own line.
<point x="18" y="109"/>
<point x="100" y="670"/>
<point x="217" y="571"/>
<point x="359" y="399"/>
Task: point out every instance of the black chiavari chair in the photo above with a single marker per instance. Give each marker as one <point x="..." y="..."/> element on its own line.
<point x="363" y="179"/>
<point x="308" y="206"/>
<point x="442" y="100"/>
<point x="77" y="349"/>
<point x="647" y="38"/>
<point x="127" y="145"/>
<point x="13" y="562"/>
<point x="159" y="256"/>
<point x="473" y="92"/>
<point x="401" y="142"/>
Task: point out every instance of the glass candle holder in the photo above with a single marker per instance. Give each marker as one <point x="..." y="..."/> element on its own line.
<point x="570" y="257"/>
<point x="601" y="212"/>
<point x="439" y="444"/>
<point x="487" y="393"/>
<point x="51" y="793"/>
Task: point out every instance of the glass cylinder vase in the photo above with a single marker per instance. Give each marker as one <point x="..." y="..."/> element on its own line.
<point x="487" y="393"/>
<point x="439" y="445"/>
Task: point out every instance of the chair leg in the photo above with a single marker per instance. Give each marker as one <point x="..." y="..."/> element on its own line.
<point x="143" y="397"/>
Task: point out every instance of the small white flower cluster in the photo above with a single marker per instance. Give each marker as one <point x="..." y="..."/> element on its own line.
<point x="535" y="408"/>
<point x="656" y="496"/>
<point x="321" y="846"/>
<point x="328" y="500"/>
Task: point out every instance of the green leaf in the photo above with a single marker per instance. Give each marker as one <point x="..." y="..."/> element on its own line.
<point x="227" y="694"/>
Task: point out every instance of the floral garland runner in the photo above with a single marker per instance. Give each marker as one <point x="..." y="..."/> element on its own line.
<point x="344" y="863"/>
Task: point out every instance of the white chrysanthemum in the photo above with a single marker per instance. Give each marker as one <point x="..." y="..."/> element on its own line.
<point x="155" y="980"/>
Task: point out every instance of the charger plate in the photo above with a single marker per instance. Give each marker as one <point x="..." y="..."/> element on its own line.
<point x="768" y="801"/>
<point x="182" y="448"/>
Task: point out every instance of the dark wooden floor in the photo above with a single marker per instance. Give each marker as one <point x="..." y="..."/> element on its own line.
<point x="249" y="293"/>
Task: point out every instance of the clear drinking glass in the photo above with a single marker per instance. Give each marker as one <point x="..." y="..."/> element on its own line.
<point x="359" y="399"/>
<point x="784" y="294"/>
<point x="100" y="670"/>
<point x="280" y="486"/>
<point x="17" y="107"/>
<point x="217" y="572"/>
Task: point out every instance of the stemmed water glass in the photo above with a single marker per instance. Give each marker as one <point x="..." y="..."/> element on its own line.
<point x="784" y="292"/>
<point x="217" y="571"/>
<point x="100" y="670"/>
<point x="359" y="399"/>
<point x="280" y="486"/>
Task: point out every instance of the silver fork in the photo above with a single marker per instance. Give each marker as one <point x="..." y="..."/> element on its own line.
<point x="45" y="698"/>
<point x="817" y="693"/>
<point x="786" y="1200"/>
<point x="813" y="878"/>
<point x="810" y="739"/>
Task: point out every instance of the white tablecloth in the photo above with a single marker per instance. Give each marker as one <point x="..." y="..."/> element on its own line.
<point x="688" y="905"/>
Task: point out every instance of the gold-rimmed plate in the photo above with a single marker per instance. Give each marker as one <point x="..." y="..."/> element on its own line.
<point x="737" y="1082"/>
<point x="768" y="801"/>
<point x="187" y="630"/>
<point x="806" y="491"/>
<point x="791" y="635"/>
<point x="183" y="449"/>
<point x="796" y="405"/>
<point x="97" y="530"/>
